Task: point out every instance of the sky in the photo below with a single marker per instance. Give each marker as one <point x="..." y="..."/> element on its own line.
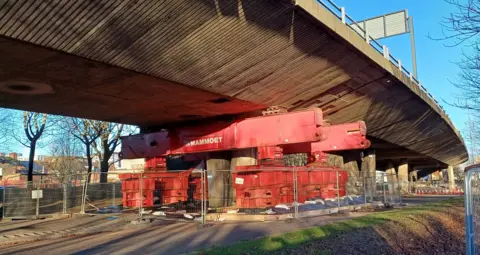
<point x="435" y="62"/>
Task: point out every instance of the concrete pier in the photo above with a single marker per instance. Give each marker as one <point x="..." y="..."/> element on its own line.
<point x="403" y="175"/>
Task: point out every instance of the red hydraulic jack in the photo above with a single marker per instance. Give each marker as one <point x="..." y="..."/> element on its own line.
<point x="273" y="136"/>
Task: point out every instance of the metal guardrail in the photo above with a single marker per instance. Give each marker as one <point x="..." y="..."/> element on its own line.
<point x="340" y="13"/>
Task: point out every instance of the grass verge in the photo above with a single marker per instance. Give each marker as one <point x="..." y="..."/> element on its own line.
<point x="293" y="239"/>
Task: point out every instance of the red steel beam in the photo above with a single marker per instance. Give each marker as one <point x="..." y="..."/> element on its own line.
<point x="289" y="130"/>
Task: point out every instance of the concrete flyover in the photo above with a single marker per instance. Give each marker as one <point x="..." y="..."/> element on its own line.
<point x="155" y="63"/>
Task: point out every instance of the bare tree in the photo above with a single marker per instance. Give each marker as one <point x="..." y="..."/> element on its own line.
<point x="462" y="27"/>
<point x="471" y="138"/>
<point x="106" y="145"/>
<point x="87" y="132"/>
<point x="34" y="126"/>
<point x="458" y="173"/>
<point x="65" y="162"/>
<point x="5" y="123"/>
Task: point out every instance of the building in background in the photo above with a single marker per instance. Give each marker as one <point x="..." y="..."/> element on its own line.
<point x="42" y="157"/>
<point x="14" y="155"/>
<point x="132" y="164"/>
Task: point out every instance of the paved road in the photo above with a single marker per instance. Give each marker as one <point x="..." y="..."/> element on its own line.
<point x="426" y="199"/>
<point x="166" y="237"/>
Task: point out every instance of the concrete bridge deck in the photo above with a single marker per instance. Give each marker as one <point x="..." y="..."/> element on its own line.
<point x="156" y="62"/>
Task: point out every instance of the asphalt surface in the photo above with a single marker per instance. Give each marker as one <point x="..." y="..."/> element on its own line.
<point x="173" y="237"/>
<point x="418" y="200"/>
<point x="166" y="237"/>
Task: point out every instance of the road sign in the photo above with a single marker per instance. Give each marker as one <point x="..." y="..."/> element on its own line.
<point x="387" y="25"/>
<point x="37" y="194"/>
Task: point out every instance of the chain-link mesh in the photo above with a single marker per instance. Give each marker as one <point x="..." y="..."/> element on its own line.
<point x="283" y="192"/>
<point x="51" y="201"/>
<point x="101" y="196"/>
<point x="18" y="201"/>
<point x="388" y="189"/>
<point x="288" y="192"/>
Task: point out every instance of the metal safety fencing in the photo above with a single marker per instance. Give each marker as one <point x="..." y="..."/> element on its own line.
<point x="472" y="209"/>
<point x="40" y="197"/>
<point x="260" y="193"/>
<point x="282" y="193"/>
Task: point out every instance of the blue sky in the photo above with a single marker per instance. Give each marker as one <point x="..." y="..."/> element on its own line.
<point x="435" y="62"/>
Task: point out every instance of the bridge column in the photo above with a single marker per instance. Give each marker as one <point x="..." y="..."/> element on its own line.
<point x="350" y="164"/>
<point x="368" y="172"/>
<point x="413" y="177"/>
<point x="403" y="175"/>
<point x="391" y="177"/>
<point x="245" y="157"/>
<point x="219" y="179"/>
<point x="451" y="177"/>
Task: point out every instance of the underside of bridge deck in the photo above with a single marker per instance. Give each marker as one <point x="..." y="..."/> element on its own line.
<point x="153" y="63"/>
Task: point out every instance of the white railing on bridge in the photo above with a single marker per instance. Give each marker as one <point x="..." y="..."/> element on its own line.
<point x="340" y="13"/>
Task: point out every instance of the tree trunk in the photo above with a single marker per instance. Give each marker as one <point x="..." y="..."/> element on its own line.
<point x="89" y="162"/>
<point x="31" y="158"/>
<point x="104" y="163"/>
<point x="104" y="170"/>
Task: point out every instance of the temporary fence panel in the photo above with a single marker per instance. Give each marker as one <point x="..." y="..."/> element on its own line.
<point x="290" y="191"/>
<point x="20" y="202"/>
<point x="173" y="194"/>
<point x="72" y="198"/>
<point x="51" y="198"/>
<point x="102" y="196"/>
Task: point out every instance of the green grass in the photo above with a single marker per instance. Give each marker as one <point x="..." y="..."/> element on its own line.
<point x="292" y="239"/>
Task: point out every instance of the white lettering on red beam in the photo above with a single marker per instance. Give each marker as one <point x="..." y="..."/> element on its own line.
<point x="203" y="141"/>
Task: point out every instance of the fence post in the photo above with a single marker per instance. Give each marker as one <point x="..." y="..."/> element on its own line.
<point x="113" y="194"/>
<point x="364" y="191"/>
<point x="400" y="192"/>
<point x="383" y="187"/>
<point x="37" y="208"/>
<point x="342" y="10"/>
<point x="64" y="198"/>
<point x="295" y="188"/>
<point x="84" y="193"/>
<point x="203" y="199"/>
<point x="469" y="223"/>
<point x="385" y="52"/>
<point x="4" y="203"/>
<point x="338" y="193"/>
<point x="140" y="208"/>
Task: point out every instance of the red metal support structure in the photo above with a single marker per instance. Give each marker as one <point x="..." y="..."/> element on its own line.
<point x="272" y="136"/>
<point x="303" y="131"/>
